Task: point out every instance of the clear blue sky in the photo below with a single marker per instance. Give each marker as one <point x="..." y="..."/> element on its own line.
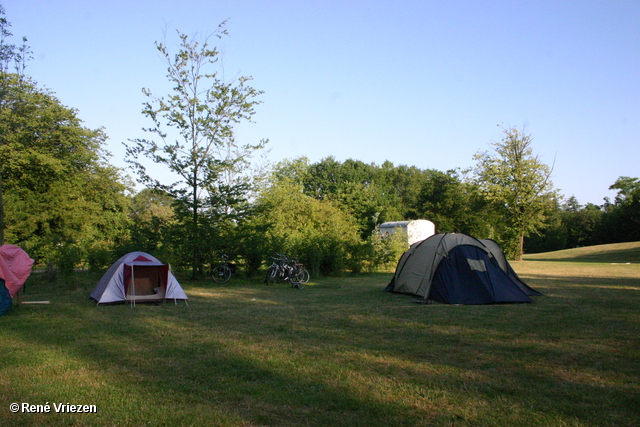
<point x="421" y="83"/>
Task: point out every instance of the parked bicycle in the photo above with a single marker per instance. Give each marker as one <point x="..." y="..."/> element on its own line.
<point x="221" y="273"/>
<point x="287" y="269"/>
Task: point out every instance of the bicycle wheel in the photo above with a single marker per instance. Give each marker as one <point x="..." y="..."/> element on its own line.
<point x="303" y="275"/>
<point x="221" y="273"/>
<point x="272" y="275"/>
<point x="291" y="274"/>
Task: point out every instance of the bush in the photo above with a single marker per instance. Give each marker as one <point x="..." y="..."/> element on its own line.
<point x="379" y="252"/>
<point x="315" y="231"/>
<point x="99" y="259"/>
<point x="68" y="258"/>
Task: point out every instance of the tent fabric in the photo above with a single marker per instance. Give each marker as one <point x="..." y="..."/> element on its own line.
<point x="456" y="268"/>
<point x="5" y="298"/>
<point x="137" y="277"/>
<point x="497" y="252"/>
<point x="15" y="267"/>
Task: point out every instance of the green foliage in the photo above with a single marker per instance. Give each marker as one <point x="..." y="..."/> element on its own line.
<point x="151" y="218"/>
<point x="100" y="257"/>
<point x="11" y="56"/>
<point x="361" y="190"/>
<point x="455" y="205"/>
<point x="628" y="191"/>
<point x="552" y="237"/>
<point x="58" y="187"/>
<point x="316" y="231"/>
<point x="382" y="253"/>
<point x="573" y="225"/>
<point x="68" y="258"/>
<point x="350" y="185"/>
<point x="17" y="56"/>
<point x="518" y="185"/>
<point x="250" y="245"/>
<point x="194" y="137"/>
<point x="621" y="221"/>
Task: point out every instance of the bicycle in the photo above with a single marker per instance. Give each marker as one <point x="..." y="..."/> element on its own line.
<point x="287" y="269"/>
<point x="221" y="273"/>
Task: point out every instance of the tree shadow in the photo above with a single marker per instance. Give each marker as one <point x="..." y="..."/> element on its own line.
<point x="354" y="355"/>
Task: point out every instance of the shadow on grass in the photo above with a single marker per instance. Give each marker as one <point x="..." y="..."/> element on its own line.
<point x="344" y="353"/>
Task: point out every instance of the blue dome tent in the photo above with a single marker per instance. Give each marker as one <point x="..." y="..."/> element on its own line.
<point x="456" y="268"/>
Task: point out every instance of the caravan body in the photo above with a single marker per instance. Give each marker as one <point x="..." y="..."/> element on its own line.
<point x="416" y="230"/>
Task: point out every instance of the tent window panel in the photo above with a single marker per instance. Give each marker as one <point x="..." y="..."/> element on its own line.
<point x="477" y="264"/>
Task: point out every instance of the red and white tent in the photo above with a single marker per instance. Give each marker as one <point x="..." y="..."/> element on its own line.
<point x="138" y="277"/>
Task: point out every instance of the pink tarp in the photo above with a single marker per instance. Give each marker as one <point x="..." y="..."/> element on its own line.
<point x="15" y="267"/>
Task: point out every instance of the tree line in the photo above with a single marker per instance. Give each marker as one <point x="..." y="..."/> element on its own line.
<point x="62" y="201"/>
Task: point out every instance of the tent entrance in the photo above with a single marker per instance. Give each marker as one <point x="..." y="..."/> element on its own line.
<point x="146" y="282"/>
<point x="468" y="276"/>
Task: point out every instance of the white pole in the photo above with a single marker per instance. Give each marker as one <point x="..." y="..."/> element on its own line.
<point x="133" y="287"/>
<point x="175" y="300"/>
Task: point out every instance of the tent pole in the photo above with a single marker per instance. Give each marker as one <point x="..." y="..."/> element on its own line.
<point x="175" y="300"/>
<point x="133" y="287"/>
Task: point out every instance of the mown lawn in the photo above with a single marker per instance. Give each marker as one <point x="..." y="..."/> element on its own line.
<point x="340" y="352"/>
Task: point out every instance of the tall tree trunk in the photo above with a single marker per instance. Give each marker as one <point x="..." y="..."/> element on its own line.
<point x="194" y="235"/>
<point x="520" y="246"/>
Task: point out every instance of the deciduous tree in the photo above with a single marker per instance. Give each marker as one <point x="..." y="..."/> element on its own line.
<point x="317" y="231"/>
<point x="518" y="184"/>
<point x="16" y="56"/>
<point x="59" y="189"/>
<point x="194" y="136"/>
<point x="621" y="219"/>
<point x="454" y="205"/>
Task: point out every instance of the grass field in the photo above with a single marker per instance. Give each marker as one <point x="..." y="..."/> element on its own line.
<point x="340" y="352"/>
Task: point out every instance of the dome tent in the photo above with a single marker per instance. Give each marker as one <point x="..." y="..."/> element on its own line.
<point x="138" y="277"/>
<point x="457" y="269"/>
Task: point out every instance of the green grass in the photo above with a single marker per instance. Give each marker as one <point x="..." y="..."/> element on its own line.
<point x="615" y="252"/>
<point x="340" y="352"/>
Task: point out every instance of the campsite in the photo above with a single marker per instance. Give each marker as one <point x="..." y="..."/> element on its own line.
<point x="342" y="352"/>
<point x="404" y="214"/>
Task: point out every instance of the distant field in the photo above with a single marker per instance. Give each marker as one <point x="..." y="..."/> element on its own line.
<point x="616" y="252"/>
<point x="340" y="352"/>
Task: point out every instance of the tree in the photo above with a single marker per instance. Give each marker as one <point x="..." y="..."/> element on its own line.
<point x="151" y="216"/>
<point x="454" y="205"/>
<point x="9" y="55"/>
<point x="518" y="184"/>
<point x="194" y="128"/>
<point x="60" y="192"/>
<point x="553" y="236"/>
<point x="360" y="189"/>
<point x="404" y="183"/>
<point x="580" y="222"/>
<point x="621" y="219"/>
<point x="316" y="231"/>
<point x="628" y="191"/>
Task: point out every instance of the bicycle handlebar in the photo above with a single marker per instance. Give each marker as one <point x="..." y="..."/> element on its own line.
<point x="284" y="258"/>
